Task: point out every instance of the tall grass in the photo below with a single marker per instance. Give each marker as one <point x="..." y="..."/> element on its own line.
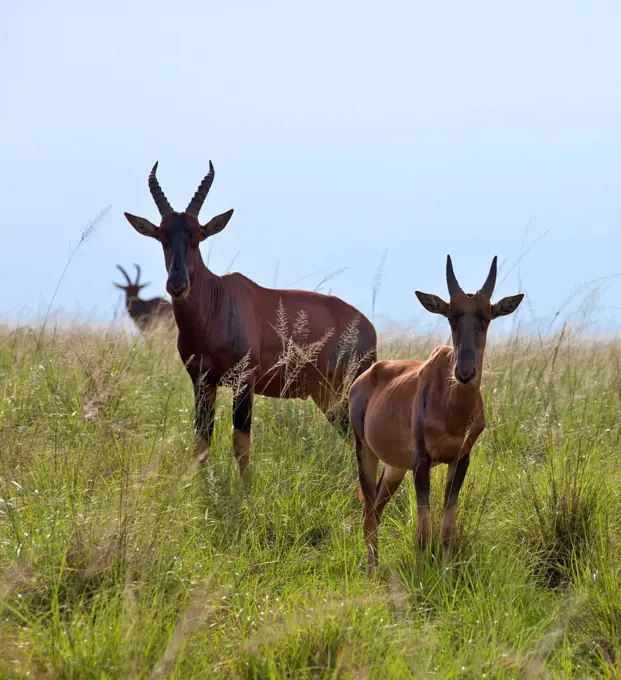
<point x="121" y="559"/>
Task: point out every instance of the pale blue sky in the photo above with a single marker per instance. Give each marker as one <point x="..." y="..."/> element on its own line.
<point x="337" y="130"/>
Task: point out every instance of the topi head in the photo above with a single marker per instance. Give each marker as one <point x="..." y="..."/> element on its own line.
<point x="180" y="233"/>
<point x="469" y="315"/>
<point x="131" y="288"/>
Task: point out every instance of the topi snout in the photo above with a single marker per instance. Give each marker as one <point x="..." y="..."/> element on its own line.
<point x="466" y="365"/>
<point x="178" y="288"/>
<point x="465" y="376"/>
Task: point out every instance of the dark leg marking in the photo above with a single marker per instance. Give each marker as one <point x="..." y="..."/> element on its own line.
<point x="421" y="466"/>
<point x="242" y="425"/>
<point x="204" y="416"/>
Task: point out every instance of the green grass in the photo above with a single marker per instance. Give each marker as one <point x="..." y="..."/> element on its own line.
<point x="120" y="560"/>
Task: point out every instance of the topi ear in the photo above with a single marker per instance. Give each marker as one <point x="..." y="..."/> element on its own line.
<point x="432" y="303"/>
<point x="119" y="285"/>
<point x="143" y="226"/>
<point x="506" y="305"/>
<point x="216" y="224"/>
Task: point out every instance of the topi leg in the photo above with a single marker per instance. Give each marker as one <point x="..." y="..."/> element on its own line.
<point x="242" y="425"/>
<point x="387" y="486"/>
<point x="422" y="468"/>
<point x="367" y="475"/>
<point x="455" y="478"/>
<point x="204" y="416"/>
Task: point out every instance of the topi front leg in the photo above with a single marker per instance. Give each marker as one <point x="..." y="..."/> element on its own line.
<point x="204" y="416"/>
<point x="242" y="424"/>
<point x="422" y="470"/>
<point x="455" y="479"/>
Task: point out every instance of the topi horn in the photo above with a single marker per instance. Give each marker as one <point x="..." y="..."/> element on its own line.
<point x="488" y="287"/>
<point x="196" y="203"/>
<point x="158" y="195"/>
<point x="118" y="266"/>
<point x="137" y="274"/>
<point x="451" y="279"/>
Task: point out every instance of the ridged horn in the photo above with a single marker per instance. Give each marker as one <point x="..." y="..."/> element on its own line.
<point x="451" y="279"/>
<point x="137" y="274"/>
<point x="195" y="205"/>
<point x="488" y="287"/>
<point x="158" y="195"/>
<point x="118" y="266"/>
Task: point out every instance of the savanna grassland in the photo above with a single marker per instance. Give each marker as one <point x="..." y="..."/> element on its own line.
<point x="121" y="559"/>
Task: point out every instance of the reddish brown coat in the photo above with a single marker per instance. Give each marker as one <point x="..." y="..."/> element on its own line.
<point x="413" y="415"/>
<point x="231" y="330"/>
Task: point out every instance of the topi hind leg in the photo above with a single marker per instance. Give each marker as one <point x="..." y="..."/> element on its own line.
<point x="455" y="479"/>
<point x="335" y="411"/>
<point x="367" y="475"/>
<point x="204" y="416"/>
<point x="387" y="486"/>
<point x="339" y="417"/>
<point x="242" y="424"/>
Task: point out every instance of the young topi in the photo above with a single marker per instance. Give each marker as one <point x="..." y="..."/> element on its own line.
<point x="413" y="415"/>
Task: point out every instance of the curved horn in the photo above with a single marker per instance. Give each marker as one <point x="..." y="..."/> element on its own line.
<point x="451" y="279"/>
<point x="158" y="195"/>
<point x="195" y="205"/>
<point x="118" y="266"/>
<point x="488" y="287"/>
<point x="137" y="274"/>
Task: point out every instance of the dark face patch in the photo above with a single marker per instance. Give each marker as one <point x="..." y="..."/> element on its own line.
<point x="469" y="317"/>
<point x="179" y="234"/>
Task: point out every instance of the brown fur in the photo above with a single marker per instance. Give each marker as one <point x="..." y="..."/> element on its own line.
<point x="229" y="321"/>
<point x="413" y="415"/>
